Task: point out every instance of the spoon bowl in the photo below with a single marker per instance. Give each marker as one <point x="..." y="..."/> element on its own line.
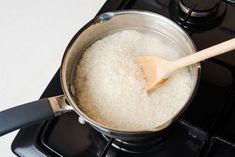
<point x="153" y="69"/>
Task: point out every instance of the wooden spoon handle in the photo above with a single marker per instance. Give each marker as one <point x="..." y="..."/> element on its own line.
<point x="205" y="54"/>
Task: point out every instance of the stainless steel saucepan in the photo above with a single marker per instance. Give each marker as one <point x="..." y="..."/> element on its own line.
<point x="100" y="26"/>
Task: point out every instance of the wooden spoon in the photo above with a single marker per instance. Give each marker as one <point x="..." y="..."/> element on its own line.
<point x="156" y="70"/>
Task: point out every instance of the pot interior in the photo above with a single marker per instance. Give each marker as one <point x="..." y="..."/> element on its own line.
<point x="109" y="23"/>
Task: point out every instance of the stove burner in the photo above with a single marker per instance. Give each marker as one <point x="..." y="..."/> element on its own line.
<point x="202" y="9"/>
<point x="203" y="16"/>
<point x="143" y="146"/>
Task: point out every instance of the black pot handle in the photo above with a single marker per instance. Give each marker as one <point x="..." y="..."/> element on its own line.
<point x="31" y="113"/>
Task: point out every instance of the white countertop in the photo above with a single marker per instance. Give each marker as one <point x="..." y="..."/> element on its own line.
<point x="33" y="37"/>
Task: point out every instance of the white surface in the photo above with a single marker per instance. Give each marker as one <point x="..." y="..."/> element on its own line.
<point x="33" y="37"/>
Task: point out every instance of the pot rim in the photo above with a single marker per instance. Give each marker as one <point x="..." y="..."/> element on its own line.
<point x="97" y="124"/>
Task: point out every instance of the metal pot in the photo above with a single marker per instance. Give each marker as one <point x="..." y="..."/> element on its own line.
<point x="100" y="26"/>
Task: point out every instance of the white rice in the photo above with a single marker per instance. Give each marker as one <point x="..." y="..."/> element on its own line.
<point x="110" y="89"/>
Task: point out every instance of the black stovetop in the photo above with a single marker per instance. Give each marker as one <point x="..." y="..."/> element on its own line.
<point x="206" y="128"/>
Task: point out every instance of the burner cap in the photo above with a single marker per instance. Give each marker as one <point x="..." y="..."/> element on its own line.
<point x="205" y="15"/>
<point x="203" y="7"/>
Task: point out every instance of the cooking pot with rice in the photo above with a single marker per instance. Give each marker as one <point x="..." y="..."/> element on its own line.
<point x="98" y="28"/>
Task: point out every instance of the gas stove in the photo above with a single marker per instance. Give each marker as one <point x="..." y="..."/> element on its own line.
<point x="205" y="129"/>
